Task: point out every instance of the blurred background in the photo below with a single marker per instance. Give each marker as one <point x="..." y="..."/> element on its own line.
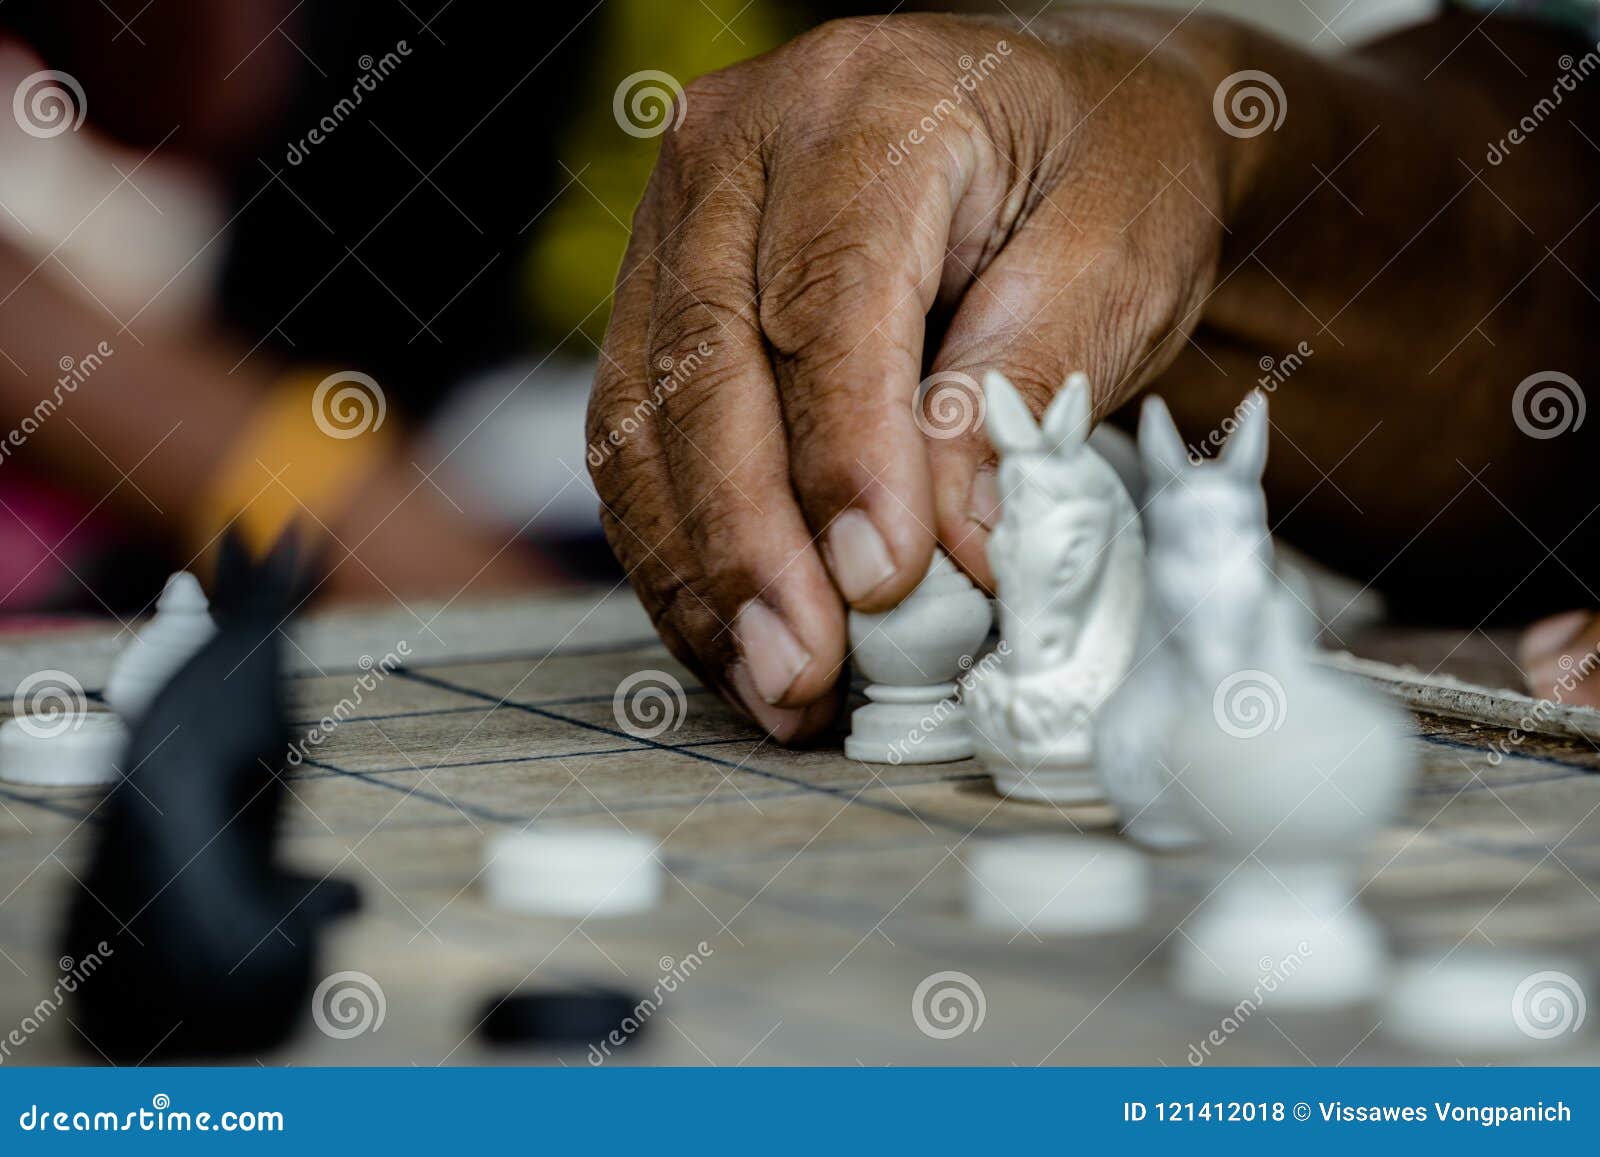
<point x="349" y="262"/>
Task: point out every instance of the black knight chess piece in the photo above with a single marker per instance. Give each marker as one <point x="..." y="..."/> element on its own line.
<point x="207" y="943"/>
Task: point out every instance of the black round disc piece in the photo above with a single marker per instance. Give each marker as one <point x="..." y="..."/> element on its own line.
<point x="563" y="1018"/>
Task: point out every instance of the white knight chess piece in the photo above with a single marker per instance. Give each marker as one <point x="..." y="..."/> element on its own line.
<point x="1068" y="564"/>
<point x="1227" y="732"/>
<point x="1209" y="593"/>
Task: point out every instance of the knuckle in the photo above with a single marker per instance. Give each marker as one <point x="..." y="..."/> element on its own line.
<point x="715" y="107"/>
<point x="1036" y="368"/>
<point x="699" y="316"/>
<point x="831" y="276"/>
<point x="844" y="64"/>
<point x="722" y="532"/>
<point x="631" y="500"/>
<point x="707" y="97"/>
<point x="666" y="589"/>
<point x="822" y="438"/>
<point x="1149" y="300"/>
<point x="1105" y="251"/>
<point x="696" y="408"/>
<point x="836" y="455"/>
<point x="838" y="43"/>
<point x="619" y="433"/>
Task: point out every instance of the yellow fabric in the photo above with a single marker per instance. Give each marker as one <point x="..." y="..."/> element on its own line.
<point x="311" y="443"/>
<point x="579" y="241"/>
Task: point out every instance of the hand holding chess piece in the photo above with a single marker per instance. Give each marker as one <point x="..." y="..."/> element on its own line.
<point x="1068" y="562"/>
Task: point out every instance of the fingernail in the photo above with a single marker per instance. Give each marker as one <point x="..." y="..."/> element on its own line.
<point x="857" y="555"/>
<point x="1548" y="636"/>
<point x="983" y="502"/>
<point x="773" y="656"/>
<point x="782" y="723"/>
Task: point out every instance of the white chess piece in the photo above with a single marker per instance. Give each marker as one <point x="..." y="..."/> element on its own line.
<point x="1288" y="771"/>
<point x="1209" y="588"/>
<point x="1291" y="772"/>
<point x="182" y="625"/>
<point x="1068" y="562"/>
<point x="911" y="656"/>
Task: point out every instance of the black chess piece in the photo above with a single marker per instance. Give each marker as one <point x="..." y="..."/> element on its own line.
<point x="207" y="944"/>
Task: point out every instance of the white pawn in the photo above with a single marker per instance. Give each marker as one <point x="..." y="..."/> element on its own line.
<point x="912" y="656"/>
<point x="181" y="626"/>
<point x="1068" y="559"/>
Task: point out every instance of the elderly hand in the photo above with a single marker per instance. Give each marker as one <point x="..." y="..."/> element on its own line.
<point x="878" y="204"/>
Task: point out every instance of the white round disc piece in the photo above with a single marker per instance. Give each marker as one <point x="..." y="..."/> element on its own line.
<point x="46" y="750"/>
<point x="1485" y="1003"/>
<point x="572" y="872"/>
<point x="1060" y="885"/>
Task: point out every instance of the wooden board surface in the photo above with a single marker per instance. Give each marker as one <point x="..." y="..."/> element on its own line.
<point x="824" y="891"/>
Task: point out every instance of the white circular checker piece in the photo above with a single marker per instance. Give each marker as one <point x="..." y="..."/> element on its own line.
<point x="1486" y="1004"/>
<point x="572" y="872"/>
<point x="82" y="755"/>
<point x="1058" y="885"/>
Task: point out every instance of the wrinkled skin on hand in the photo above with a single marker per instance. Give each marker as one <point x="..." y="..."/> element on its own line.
<point x="829" y="224"/>
<point x="917" y="199"/>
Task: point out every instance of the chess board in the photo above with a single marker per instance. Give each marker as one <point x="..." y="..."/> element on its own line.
<point x="813" y="894"/>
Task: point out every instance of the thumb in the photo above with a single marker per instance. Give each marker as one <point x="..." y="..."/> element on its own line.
<point x="1050" y="305"/>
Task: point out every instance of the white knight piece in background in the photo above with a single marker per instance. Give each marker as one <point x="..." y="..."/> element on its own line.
<point x="1068" y="560"/>
<point x="1227" y="732"/>
<point x="911" y="656"/>
<point x="1211" y="606"/>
